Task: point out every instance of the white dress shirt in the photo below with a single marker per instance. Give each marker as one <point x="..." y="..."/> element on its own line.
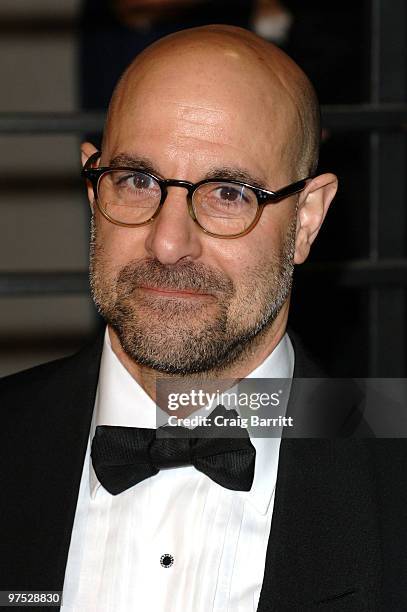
<point x="217" y="538"/>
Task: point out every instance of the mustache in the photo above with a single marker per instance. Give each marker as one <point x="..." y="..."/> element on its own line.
<point x="183" y="276"/>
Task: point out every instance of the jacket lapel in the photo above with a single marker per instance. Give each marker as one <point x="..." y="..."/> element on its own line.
<point x="55" y="405"/>
<point x="323" y="551"/>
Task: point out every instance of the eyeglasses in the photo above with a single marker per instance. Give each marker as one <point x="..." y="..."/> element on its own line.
<point x="221" y="208"/>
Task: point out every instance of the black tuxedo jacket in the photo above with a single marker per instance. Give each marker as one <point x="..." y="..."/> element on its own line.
<point x="338" y="540"/>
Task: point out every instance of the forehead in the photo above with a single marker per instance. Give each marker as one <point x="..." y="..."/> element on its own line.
<point x="203" y="104"/>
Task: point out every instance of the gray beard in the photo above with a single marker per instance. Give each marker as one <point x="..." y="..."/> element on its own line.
<point x="181" y="338"/>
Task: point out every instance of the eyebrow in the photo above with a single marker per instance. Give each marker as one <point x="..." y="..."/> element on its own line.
<point x="129" y="161"/>
<point x="236" y="174"/>
<point x="222" y="172"/>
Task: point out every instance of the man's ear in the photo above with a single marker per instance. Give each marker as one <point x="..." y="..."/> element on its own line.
<point x="313" y="205"/>
<point x="87" y="149"/>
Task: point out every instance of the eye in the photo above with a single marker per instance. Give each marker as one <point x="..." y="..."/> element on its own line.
<point x="136" y="180"/>
<point x="231" y="194"/>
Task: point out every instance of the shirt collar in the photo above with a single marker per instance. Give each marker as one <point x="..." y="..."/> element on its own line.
<point x="120" y="400"/>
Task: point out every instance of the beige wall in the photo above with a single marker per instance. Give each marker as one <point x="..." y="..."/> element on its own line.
<point x="41" y="229"/>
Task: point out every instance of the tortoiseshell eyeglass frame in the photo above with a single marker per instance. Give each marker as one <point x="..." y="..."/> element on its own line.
<point x="264" y="196"/>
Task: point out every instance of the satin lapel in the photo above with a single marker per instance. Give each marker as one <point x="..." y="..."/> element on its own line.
<point x="323" y="551"/>
<point x="49" y="427"/>
<point x="324" y="547"/>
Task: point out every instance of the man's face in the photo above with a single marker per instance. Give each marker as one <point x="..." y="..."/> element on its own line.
<point x="179" y="300"/>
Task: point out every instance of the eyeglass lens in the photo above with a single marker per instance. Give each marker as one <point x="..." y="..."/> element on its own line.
<point x="220" y="207"/>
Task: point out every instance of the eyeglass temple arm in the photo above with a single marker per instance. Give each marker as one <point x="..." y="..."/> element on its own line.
<point x="291" y="189"/>
<point x="88" y="164"/>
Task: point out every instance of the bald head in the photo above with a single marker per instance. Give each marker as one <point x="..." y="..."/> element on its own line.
<point x="224" y="63"/>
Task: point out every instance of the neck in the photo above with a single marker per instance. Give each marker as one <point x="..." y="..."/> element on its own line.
<point x="254" y="354"/>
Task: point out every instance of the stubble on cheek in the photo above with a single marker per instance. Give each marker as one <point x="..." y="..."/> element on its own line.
<point x="186" y="336"/>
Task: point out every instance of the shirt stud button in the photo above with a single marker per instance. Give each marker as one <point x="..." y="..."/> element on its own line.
<point x="166" y="560"/>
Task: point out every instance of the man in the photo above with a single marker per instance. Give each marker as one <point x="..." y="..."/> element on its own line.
<point x="203" y="197"/>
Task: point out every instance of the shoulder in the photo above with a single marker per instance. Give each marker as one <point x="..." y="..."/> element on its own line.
<point x="26" y="391"/>
<point x="33" y="376"/>
<point x="35" y="386"/>
<point x="306" y="365"/>
<point x="323" y="405"/>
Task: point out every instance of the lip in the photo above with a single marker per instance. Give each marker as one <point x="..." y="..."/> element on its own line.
<point x="177" y="293"/>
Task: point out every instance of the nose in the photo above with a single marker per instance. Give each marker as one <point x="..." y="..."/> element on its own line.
<point x="173" y="235"/>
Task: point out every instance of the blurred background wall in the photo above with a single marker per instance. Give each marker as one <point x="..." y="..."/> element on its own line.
<point x="59" y="63"/>
<point x="43" y="217"/>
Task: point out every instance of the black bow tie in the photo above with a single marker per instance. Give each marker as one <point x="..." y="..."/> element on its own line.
<point x="124" y="456"/>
